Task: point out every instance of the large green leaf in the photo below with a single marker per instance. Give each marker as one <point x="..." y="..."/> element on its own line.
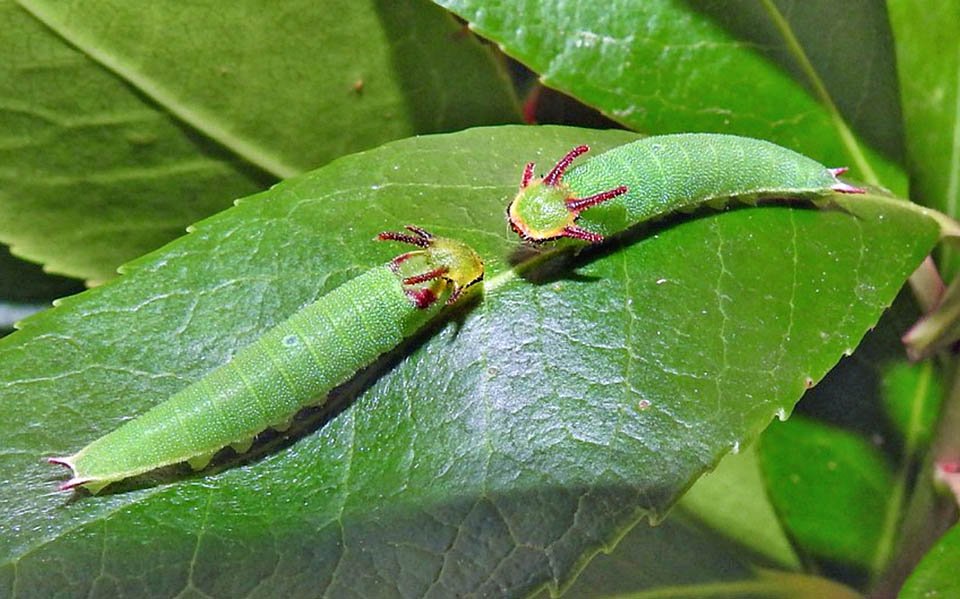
<point x="928" y="60"/>
<point x="121" y="125"/>
<point x="936" y="575"/>
<point x="495" y="453"/>
<point x="778" y="70"/>
<point x="92" y="174"/>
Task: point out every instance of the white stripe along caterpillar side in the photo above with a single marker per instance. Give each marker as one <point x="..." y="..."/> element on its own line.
<point x="290" y="367"/>
<point x="659" y="175"/>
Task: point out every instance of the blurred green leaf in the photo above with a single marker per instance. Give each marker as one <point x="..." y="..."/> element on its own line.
<point x="912" y="394"/>
<point x="773" y="70"/>
<point x="679" y="560"/>
<point x="126" y="123"/>
<point x="92" y="173"/>
<point x="732" y="500"/>
<point x="928" y="61"/>
<point x="830" y="487"/>
<point x="878" y="395"/>
<point x="936" y="576"/>
<point x="492" y="455"/>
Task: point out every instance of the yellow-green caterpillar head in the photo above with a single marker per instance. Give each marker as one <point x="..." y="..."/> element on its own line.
<point x="441" y="265"/>
<point x="545" y="208"/>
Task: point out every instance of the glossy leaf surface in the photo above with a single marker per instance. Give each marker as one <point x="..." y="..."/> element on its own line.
<point x="492" y="455"/>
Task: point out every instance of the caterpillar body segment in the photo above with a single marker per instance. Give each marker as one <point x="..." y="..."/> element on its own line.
<point x="660" y="175"/>
<point x="291" y="366"/>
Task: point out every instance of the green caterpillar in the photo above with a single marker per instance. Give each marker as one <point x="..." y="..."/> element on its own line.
<point x="657" y="176"/>
<point x="291" y="366"/>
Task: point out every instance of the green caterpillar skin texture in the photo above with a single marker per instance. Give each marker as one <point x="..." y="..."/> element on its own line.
<point x="291" y="366"/>
<point x="659" y="175"/>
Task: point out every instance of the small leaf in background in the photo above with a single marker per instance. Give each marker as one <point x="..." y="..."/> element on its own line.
<point x="123" y="126"/>
<point x="936" y="576"/>
<point x="928" y="57"/>
<point x="912" y="394"/>
<point x="679" y="560"/>
<point x="732" y="500"/>
<point x="830" y="487"/>
<point x="664" y="67"/>
<point x="503" y="448"/>
<point x="699" y="549"/>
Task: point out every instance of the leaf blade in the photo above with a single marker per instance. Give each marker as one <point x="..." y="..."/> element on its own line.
<point x="476" y="440"/>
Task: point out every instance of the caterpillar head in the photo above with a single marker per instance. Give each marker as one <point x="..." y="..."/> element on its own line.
<point x="545" y="208"/>
<point x="441" y="265"/>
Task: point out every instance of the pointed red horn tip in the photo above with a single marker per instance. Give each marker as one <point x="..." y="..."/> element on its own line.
<point x="846" y="188"/>
<point x="554" y="176"/>
<point x="575" y="232"/>
<point x="840" y="185"/>
<point x="70" y="484"/>
<point x="527" y="174"/>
